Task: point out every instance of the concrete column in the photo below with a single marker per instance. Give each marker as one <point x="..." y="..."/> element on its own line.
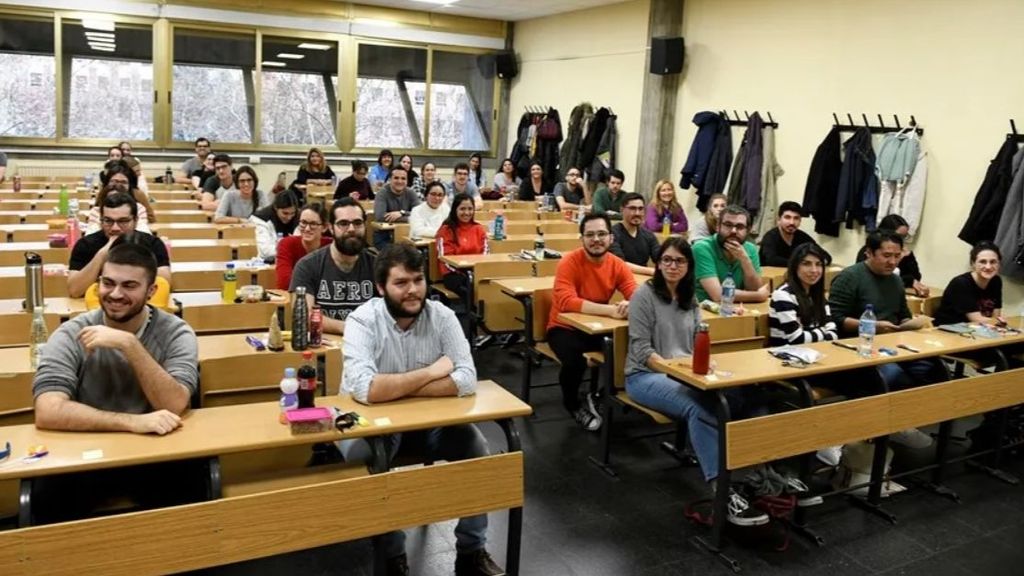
<point x="505" y="87"/>
<point x="657" y="120"/>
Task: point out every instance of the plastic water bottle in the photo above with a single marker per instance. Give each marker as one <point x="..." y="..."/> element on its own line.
<point x="728" y="295"/>
<point x="89" y="177"/>
<point x="37" y="336"/>
<point x="229" y="287"/>
<point x="289" y="392"/>
<point x="62" y="201"/>
<point x="666" y="224"/>
<point x="73" y="208"/>
<point x="499" y="226"/>
<point x="538" y="246"/>
<point x="866" y="329"/>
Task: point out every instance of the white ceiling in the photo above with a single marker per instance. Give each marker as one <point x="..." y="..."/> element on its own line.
<point x="496" y="9"/>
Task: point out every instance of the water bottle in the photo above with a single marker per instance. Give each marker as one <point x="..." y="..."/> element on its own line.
<point x="229" y="287"/>
<point x="499" y="226"/>
<point x="289" y="393"/>
<point x="33" y="282"/>
<point x="701" y="349"/>
<point x="37" y="337"/>
<point x="168" y="177"/>
<point x="866" y="329"/>
<point x="280" y="236"/>
<point x="728" y="295"/>
<point x="88" y="180"/>
<point x="538" y="246"/>
<point x="666" y="224"/>
<point x="73" y="207"/>
<point x="62" y="201"/>
<point x="300" y="320"/>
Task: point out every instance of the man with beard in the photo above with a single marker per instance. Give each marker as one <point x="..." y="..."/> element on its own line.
<point x="126" y="367"/>
<point x="403" y="345"/>
<point x="608" y="198"/>
<point x="118" y="216"/>
<point x="393" y="205"/>
<point x="183" y="175"/>
<point x="585" y="280"/>
<point x="727" y="254"/>
<point x="339" y="276"/>
<point x="778" y="243"/>
<point x="634" y="243"/>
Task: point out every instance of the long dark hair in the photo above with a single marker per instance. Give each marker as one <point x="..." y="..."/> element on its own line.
<point x="478" y="173"/>
<point x="811" y="303"/>
<point x="255" y="185"/>
<point x="685" y="288"/>
<point x="452" y="221"/>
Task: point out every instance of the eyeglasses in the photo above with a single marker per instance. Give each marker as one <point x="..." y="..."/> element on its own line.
<point x="245" y="180"/>
<point x="346" y="223"/>
<point x="122" y="222"/>
<point x="596" y="235"/>
<point x="634" y="208"/>
<point x="731" y="226"/>
<point x="670" y="262"/>
<point x="307" y="224"/>
<point x="574" y="174"/>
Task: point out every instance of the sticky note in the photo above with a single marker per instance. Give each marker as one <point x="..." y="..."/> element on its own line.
<point x="382" y="421"/>
<point x="92" y="454"/>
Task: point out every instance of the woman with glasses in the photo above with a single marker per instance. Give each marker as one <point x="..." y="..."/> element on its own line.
<point x="426" y="217"/>
<point x="274" y="223"/>
<point x="460" y="234"/>
<point x="312" y="225"/>
<point x="238" y="205"/>
<point x="119" y="177"/>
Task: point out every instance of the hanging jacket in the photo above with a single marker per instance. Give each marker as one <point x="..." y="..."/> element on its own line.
<point x="604" y="160"/>
<point x="820" y="193"/>
<point x="546" y="149"/>
<point x="718" y="166"/>
<point x="578" y="120"/>
<point x="907" y="198"/>
<point x="698" y="160"/>
<point x="735" y="193"/>
<point x="770" y="171"/>
<point x="898" y="155"/>
<point x="1010" y="232"/>
<point x="751" y="192"/>
<point x="991" y="196"/>
<point x="588" y="148"/>
<point x="857" y="200"/>
<point x="521" y="148"/>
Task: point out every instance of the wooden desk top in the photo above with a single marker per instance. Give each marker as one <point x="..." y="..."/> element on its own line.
<point x="62" y="306"/>
<point x="524" y="286"/>
<point x="214" y="346"/>
<point x="468" y="261"/>
<point x="592" y="324"/>
<point x="244" y="427"/>
<point x="212" y="298"/>
<point x="514" y="237"/>
<point x="240" y="266"/>
<point x="753" y="366"/>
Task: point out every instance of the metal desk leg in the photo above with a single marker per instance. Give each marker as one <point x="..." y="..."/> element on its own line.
<point x="872" y="502"/>
<point x="25" y="503"/>
<point x="799" y="522"/>
<point x="524" y="392"/>
<point x="1001" y="420"/>
<point x="720" y="507"/>
<point x="515" y="515"/>
<point x="603" y="460"/>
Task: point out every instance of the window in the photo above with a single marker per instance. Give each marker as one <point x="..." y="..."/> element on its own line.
<point x="461" y="103"/>
<point x="110" y="69"/>
<point x="387" y="91"/>
<point x="212" y="86"/>
<point x="28" y="88"/>
<point x="299" y="96"/>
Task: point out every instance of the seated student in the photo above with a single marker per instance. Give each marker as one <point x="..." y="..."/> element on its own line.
<point x="585" y="280"/>
<point x="118" y="215"/>
<point x="274" y="223"/>
<point x="572" y="194"/>
<point x="183" y="176"/>
<point x="728" y="254"/>
<point x="214" y="188"/>
<point x="313" y="171"/>
<point x="126" y="367"/>
<point x="778" y="243"/>
<point x="664" y="202"/>
<point x="136" y="167"/>
<point x="630" y="240"/>
<point x="975" y="296"/>
<point x="204" y="173"/>
<point x="608" y="197"/>
<point x="459" y="234"/>
<point x="119" y="177"/>
<point x="400" y="346"/>
<point x="426" y="217"/>
<point x="535" y="186"/>
<point x="476" y="172"/>
<point x="405" y="161"/>
<point x="338" y="277"/>
<point x="909" y="271"/>
<point x="663" y="317"/>
<point x="281" y="184"/>
<point x="873" y="282"/>
<point x="427" y="176"/>
<point x="380" y="173"/>
<point x="460" y="184"/>
<point x="356" y="185"/>
<point x="312" y="222"/>
<point x="506" y="181"/>
<point x="706" y="226"/>
<point x="114" y="153"/>
<point x="236" y="206"/>
<point x="393" y="204"/>
<point x="799" y="312"/>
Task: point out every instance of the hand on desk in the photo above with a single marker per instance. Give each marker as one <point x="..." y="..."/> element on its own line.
<point x="915" y="323"/>
<point x="160" y="422"/>
<point x="442" y="367"/>
<point x="885" y="327"/>
<point x="621" y="310"/>
<point x="920" y="289"/>
<point x="93" y="337"/>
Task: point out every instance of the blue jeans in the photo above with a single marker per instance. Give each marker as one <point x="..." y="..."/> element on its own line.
<point x="452" y="443"/>
<point x="903" y="375"/>
<point x="383" y="238"/>
<point x="684" y="404"/>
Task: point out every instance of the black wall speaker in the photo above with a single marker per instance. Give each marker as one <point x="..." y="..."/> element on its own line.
<point x="505" y="64"/>
<point x="667" y="54"/>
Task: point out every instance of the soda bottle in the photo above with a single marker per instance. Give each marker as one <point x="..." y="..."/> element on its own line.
<point x="316" y="327"/>
<point x="229" y="287"/>
<point x="289" y="393"/>
<point x="866" y="330"/>
<point x="300" y="320"/>
<point x="538" y="246"/>
<point x="701" y="349"/>
<point x="62" y="201"/>
<point x="307" y="381"/>
<point x="37" y="336"/>
<point x="728" y="295"/>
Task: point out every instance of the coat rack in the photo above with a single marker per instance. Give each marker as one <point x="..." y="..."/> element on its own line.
<point x="738" y="122"/>
<point x="1014" y="135"/>
<point x="880" y="129"/>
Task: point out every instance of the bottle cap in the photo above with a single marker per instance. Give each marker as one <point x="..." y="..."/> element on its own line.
<point x="289" y="372"/>
<point x="231" y="266"/>
<point x="307" y="355"/>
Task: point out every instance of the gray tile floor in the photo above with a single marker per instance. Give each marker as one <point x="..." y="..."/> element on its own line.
<point x="580" y="522"/>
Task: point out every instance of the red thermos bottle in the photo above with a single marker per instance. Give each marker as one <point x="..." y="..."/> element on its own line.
<point x="701" y="349"/>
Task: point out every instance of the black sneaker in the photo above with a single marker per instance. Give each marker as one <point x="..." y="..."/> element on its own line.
<point x="587" y="420"/>
<point x="478" y="563"/>
<point x="742" y="514"/>
<point x="398" y="566"/>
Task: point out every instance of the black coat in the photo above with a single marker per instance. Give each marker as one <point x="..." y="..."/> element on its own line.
<point x="718" y="166"/>
<point x="590" y="143"/>
<point x="858" y="184"/>
<point x="823" y="185"/>
<point x="983" y="220"/>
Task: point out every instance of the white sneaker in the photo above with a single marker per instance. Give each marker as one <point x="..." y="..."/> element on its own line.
<point x="911" y="438"/>
<point x="830" y="456"/>
<point x="741" y="514"/>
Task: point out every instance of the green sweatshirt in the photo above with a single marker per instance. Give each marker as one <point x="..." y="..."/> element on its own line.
<point x="857" y="286"/>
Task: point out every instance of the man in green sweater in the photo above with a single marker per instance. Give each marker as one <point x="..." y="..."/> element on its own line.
<point x="608" y="198"/>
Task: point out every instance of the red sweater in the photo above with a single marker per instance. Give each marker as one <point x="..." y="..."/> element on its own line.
<point x="290" y="251"/>
<point x="472" y="240"/>
<point x="578" y="279"/>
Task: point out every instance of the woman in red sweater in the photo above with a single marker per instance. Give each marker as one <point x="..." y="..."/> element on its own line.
<point x="460" y="234"/>
<point x="313" y="222"/>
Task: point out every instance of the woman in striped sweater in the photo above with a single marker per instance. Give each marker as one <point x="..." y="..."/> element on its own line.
<point x="799" y="311"/>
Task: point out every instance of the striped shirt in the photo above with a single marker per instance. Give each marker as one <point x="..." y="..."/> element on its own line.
<point x="784" y="321"/>
<point x="374" y="344"/>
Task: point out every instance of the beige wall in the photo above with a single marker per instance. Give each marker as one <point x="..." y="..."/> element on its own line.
<point x="595" y="56"/>
<point x="949" y="63"/>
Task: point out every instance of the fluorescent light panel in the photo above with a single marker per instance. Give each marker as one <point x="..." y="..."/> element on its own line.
<point x="314" y="46"/>
<point x="98" y="24"/>
<point x="102" y="48"/>
<point x="289" y="56"/>
<point x="273" y="64"/>
<point x="100" y="36"/>
<point x="103" y="44"/>
<point x="444" y="2"/>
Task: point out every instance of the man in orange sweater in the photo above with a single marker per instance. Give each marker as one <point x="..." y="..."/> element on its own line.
<point x="585" y="281"/>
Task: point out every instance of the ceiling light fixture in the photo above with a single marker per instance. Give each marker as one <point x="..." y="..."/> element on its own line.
<point x="102" y="45"/>
<point x="314" y="46"/>
<point x="375" y="22"/>
<point x="272" y="64"/>
<point x="102" y="48"/>
<point x="289" y="56"/>
<point x="101" y="24"/>
<point x="442" y="2"/>
<point x="100" y="36"/>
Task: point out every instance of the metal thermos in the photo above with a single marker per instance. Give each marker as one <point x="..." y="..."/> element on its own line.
<point x="33" y="281"/>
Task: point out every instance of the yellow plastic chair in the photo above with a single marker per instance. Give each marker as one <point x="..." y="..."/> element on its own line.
<point x="160" y="299"/>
